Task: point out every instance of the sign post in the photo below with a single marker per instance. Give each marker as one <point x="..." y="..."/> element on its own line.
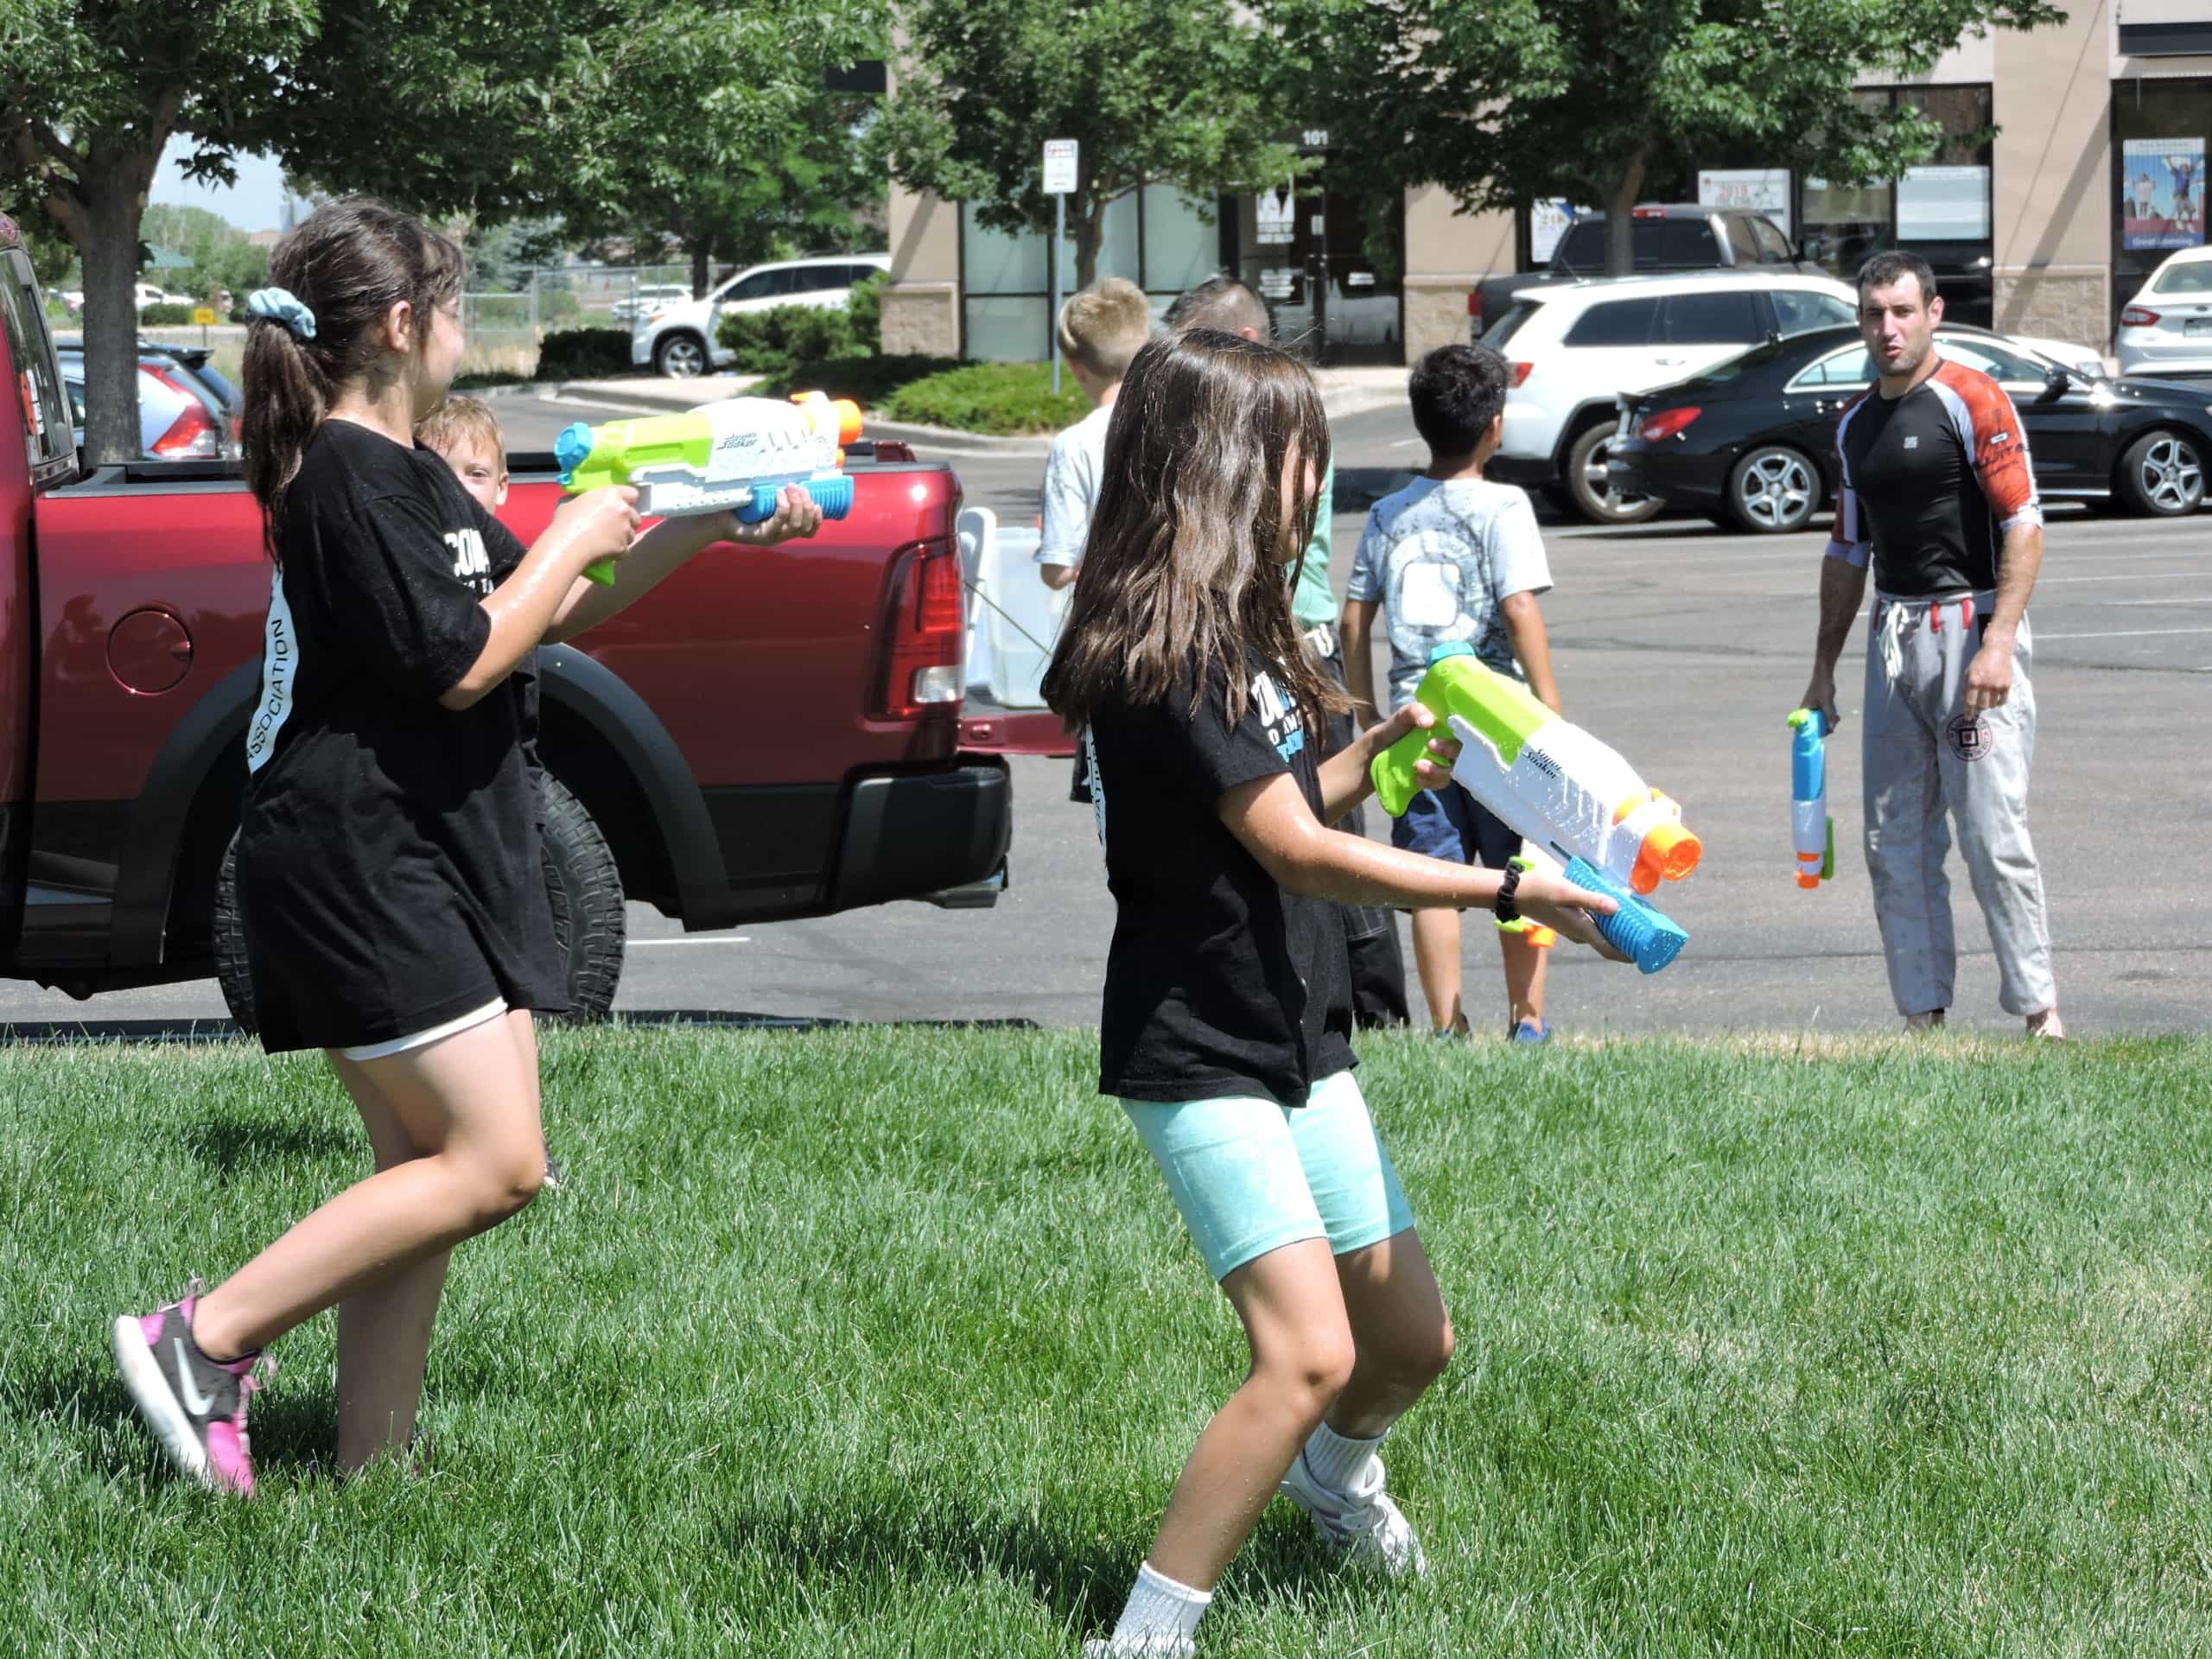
<point x="205" y="317"/>
<point x="1060" y="154"/>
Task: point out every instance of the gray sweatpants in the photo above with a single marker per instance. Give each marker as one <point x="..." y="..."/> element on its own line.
<point x="1925" y="763"/>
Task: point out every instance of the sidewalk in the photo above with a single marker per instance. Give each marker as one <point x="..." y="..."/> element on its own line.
<point x="1343" y="391"/>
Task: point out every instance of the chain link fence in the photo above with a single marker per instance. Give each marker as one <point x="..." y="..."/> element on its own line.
<point x="504" y="331"/>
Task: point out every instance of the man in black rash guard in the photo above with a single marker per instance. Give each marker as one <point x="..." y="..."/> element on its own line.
<point x="1938" y="494"/>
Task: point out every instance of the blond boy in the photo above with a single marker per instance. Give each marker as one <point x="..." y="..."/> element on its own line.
<point x="1101" y="329"/>
<point x="466" y="435"/>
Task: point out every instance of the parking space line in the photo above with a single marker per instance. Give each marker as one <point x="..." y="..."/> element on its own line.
<point x="2117" y="633"/>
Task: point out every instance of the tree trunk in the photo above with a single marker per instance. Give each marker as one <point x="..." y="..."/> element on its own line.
<point x="104" y="227"/>
<point x="1620" y="215"/>
<point x="1089" y="214"/>
<point x="699" y="252"/>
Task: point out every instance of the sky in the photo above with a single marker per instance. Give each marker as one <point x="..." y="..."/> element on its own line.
<point x="255" y="203"/>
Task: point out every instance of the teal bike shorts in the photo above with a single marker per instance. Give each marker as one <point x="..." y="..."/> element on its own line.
<point x="1251" y="1176"/>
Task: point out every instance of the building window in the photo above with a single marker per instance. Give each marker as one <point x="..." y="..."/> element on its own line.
<point x="1157" y="238"/>
<point x="2159" y="129"/>
<point x="1940" y="210"/>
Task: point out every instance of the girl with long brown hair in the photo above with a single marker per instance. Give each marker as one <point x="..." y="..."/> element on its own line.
<point x="389" y="870"/>
<point x="1226" y="1020"/>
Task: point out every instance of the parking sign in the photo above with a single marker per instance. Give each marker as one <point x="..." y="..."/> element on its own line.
<point x="1059" y="166"/>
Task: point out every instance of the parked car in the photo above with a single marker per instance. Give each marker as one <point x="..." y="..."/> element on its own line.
<point x="188" y="368"/>
<point x="149" y="295"/>
<point x="760" y="737"/>
<point x="1752" y="442"/>
<point x="1575" y="348"/>
<point x="678" y="339"/>
<point x="178" y="419"/>
<point x="647" y="298"/>
<point x="2165" y="331"/>
<point x="1669" y="237"/>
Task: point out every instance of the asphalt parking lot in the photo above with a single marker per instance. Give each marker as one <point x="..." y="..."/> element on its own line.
<point x="1684" y="647"/>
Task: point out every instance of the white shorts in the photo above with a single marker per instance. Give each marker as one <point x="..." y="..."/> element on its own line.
<point x="469" y="1021"/>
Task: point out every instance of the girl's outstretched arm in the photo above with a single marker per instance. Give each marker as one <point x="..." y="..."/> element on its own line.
<point x="1270" y="817"/>
<point x="661" y="550"/>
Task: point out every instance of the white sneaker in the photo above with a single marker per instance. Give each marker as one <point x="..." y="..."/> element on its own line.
<point x="1158" y="1647"/>
<point x="1362" y="1527"/>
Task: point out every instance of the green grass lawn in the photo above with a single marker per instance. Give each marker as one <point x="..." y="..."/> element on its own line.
<point x="888" y="1342"/>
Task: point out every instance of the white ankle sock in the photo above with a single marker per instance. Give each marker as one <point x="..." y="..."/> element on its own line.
<point x="1334" y="1459"/>
<point x="1160" y="1618"/>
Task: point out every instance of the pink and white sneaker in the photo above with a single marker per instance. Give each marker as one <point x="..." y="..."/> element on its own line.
<point x="195" y="1407"/>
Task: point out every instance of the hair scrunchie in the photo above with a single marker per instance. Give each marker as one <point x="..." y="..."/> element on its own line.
<point x="282" y="305"/>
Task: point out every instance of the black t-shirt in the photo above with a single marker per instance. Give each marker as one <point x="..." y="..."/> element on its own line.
<point x="1220" y="981"/>
<point x="1932" y="481"/>
<point x="389" y="867"/>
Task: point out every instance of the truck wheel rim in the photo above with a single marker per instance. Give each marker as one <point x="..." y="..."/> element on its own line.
<point x="681" y="359"/>
<point x="1776" y="490"/>
<point x="2172" y="477"/>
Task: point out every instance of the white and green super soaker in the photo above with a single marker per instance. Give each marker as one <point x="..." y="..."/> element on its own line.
<point x="730" y="456"/>
<point x="1554" y="784"/>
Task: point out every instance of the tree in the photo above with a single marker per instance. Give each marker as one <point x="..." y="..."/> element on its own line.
<point x="759" y="165"/>
<point x="1153" y="92"/>
<point x="1519" y="100"/>
<point x="223" y="258"/>
<point x="475" y="107"/>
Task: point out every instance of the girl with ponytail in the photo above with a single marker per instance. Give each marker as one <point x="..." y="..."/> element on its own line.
<point x="389" y="873"/>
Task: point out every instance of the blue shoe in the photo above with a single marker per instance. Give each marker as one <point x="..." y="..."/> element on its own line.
<point x="1529" y="1031"/>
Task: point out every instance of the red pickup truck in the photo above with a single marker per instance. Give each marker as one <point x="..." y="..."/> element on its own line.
<point x="753" y="740"/>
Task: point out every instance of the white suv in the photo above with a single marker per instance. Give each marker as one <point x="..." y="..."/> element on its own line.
<point x="1575" y="347"/>
<point x="678" y="339"/>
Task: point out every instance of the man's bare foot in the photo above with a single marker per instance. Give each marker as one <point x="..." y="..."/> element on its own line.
<point x="2047" y="1023"/>
<point x="1931" y="1021"/>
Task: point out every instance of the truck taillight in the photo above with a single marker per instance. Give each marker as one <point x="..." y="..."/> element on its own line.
<point x="1519" y="372"/>
<point x="1474" y="303"/>
<point x="929" y="638"/>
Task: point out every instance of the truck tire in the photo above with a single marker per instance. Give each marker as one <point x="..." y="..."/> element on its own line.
<point x="680" y="355"/>
<point x="1584" y="471"/>
<point x="582" y="883"/>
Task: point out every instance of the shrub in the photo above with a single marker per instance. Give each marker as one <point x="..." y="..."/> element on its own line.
<point x="865" y="307"/>
<point x="867" y="380"/>
<point x="584" y="353"/>
<point x="765" y="341"/>
<point x="999" y="398"/>
<point x="164" y="316"/>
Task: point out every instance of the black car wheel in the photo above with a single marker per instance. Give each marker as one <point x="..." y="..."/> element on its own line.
<point x="1774" y="489"/>
<point x="581" y="882"/>
<point x="1595" y="496"/>
<point x="680" y="357"/>
<point x="2162" y="474"/>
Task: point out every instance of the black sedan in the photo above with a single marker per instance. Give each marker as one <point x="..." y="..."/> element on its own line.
<point x="1752" y="442"/>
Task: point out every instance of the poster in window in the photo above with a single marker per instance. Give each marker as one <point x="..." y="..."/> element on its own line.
<point x="2162" y="192"/>
<point x="1547" y="223"/>
<point x="1274" y="223"/>
<point x="1943" y="204"/>
<point x="1763" y="190"/>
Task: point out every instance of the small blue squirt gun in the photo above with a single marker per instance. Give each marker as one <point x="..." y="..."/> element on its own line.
<point x="731" y="456"/>
<point x="1810" y="826"/>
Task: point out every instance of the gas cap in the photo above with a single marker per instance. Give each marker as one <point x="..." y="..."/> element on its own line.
<point x="149" y="651"/>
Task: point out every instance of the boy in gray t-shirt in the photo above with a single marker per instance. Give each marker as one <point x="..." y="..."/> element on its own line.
<point x="1455" y="557"/>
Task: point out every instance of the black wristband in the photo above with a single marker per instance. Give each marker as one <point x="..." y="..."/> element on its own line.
<point x="1502" y="906"/>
